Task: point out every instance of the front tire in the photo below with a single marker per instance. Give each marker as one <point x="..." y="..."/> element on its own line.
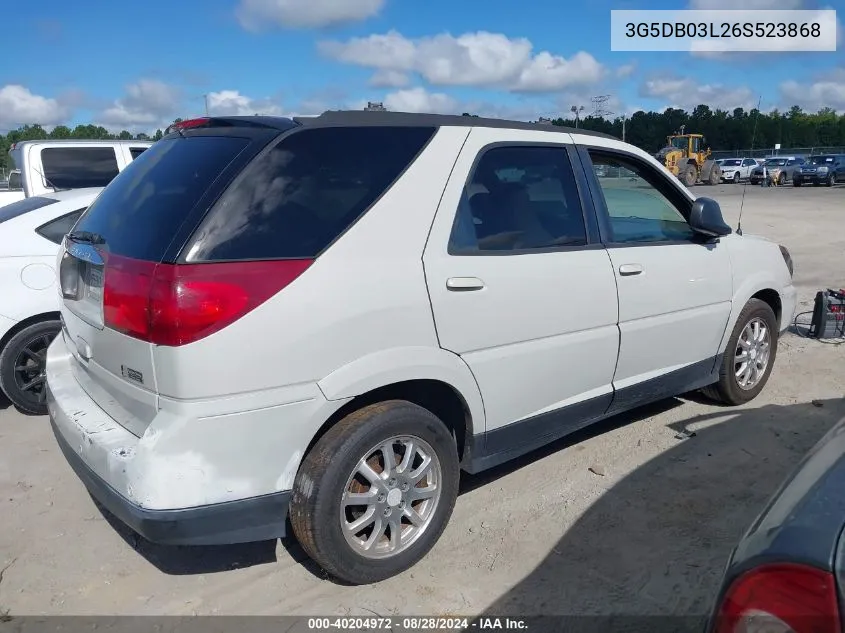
<point x="749" y="355"/>
<point x="23" y="366"/>
<point x="736" y="178"/>
<point x="831" y="180"/>
<point x="781" y="180"/>
<point x="358" y="508"/>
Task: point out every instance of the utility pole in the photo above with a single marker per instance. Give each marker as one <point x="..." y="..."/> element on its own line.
<point x="576" y="110"/>
<point x="624" y="118"/>
<point x="205" y="96"/>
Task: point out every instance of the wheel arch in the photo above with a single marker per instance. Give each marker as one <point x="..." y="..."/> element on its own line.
<point x="432" y="378"/>
<point x="25" y="323"/>
<point x="761" y="290"/>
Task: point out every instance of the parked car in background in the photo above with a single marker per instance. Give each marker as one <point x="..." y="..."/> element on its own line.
<point x="786" y="573"/>
<point x="48" y="166"/>
<point x="30" y="233"/>
<point x="737" y="169"/>
<point x="194" y="417"/>
<point x="779" y="169"/>
<point x="824" y="169"/>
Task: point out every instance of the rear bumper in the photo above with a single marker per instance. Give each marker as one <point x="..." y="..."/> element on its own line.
<point x="202" y="473"/>
<point x="246" y="520"/>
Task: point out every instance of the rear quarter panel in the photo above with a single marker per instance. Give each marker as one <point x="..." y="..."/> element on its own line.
<point x="357" y="315"/>
<point x="27" y="267"/>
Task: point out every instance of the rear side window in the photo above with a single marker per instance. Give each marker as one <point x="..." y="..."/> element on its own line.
<point x="15" y="181"/>
<point x="21" y="207"/>
<point x="144" y="207"/>
<point x="55" y="230"/>
<point x="519" y="198"/>
<point x="137" y="151"/>
<point x="296" y="199"/>
<point x="78" y="167"/>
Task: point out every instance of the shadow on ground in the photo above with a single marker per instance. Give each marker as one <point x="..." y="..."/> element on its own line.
<point x="178" y="560"/>
<point x="657" y="541"/>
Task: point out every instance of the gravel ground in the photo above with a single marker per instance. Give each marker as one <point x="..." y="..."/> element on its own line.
<point x="636" y="516"/>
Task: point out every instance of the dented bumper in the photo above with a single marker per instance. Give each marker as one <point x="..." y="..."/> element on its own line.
<point x="246" y="520"/>
<point x="196" y="476"/>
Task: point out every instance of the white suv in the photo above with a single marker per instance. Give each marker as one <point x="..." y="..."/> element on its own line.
<point x="327" y="319"/>
<point x="737" y="169"/>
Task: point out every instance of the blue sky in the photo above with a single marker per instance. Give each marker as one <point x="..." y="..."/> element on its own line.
<point x="137" y="65"/>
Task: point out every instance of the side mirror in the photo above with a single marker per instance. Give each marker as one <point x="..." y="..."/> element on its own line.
<point x="706" y="218"/>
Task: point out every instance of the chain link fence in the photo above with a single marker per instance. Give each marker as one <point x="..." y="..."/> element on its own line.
<point x="791" y="151"/>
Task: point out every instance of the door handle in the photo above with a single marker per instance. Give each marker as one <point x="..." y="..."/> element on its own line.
<point x="626" y="270"/>
<point x="459" y="284"/>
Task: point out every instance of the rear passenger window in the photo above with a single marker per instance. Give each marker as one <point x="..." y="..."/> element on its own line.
<point x="58" y="228"/>
<point x="519" y="198"/>
<point x="78" y="167"/>
<point x="136" y="151"/>
<point x="295" y="200"/>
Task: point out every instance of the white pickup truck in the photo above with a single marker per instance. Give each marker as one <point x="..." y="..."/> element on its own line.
<point x="47" y="166"/>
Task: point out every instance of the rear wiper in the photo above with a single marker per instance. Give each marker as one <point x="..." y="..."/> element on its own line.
<point x="87" y="237"/>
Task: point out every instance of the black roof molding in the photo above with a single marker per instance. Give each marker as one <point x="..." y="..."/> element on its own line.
<point x="407" y="119"/>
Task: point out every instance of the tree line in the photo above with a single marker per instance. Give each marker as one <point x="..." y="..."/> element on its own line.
<point x="36" y="132"/>
<point x="723" y="130"/>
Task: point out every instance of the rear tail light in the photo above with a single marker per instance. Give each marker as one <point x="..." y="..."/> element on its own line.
<point x="780" y="598"/>
<point x="173" y="305"/>
<point x="189" y="123"/>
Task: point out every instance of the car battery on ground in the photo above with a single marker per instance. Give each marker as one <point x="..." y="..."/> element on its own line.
<point x="828" y="315"/>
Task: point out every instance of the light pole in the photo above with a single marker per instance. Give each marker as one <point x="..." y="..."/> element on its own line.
<point x="575" y="110"/>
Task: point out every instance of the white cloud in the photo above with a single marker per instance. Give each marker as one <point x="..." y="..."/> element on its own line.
<point x="389" y="79"/>
<point x="233" y="103"/>
<point x="148" y="103"/>
<point x="549" y="73"/>
<point x="19" y="106"/>
<point x="626" y="70"/>
<point x="420" y="100"/>
<point x="682" y="93"/>
<point x="256" y="15"/>
<point x="827" y="91"/>
<point x="472" y="59"/>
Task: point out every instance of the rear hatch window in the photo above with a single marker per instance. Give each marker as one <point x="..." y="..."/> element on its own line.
<point x="139" y="213"/>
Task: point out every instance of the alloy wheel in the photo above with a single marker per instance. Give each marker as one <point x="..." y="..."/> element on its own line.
<point x="390" y="499"/>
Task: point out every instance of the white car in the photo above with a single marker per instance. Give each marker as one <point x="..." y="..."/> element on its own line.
<point x="31" y="231"/>
<point x="329" y="318"/>
<point x="737" y="169"/>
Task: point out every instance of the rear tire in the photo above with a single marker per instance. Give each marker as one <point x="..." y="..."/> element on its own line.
<point x="746" y="356"/>
<point x="23" y="376"/>
<point x="320" y="512"/>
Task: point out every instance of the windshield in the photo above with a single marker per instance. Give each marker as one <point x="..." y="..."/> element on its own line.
<point x="820" y="160"/>
<point x="680" y="143"/>
<point x="731" y="162"/>
<point x="775" y="162"/>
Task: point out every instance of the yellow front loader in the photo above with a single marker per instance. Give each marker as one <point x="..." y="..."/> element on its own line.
<point x="685" y="156"/>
